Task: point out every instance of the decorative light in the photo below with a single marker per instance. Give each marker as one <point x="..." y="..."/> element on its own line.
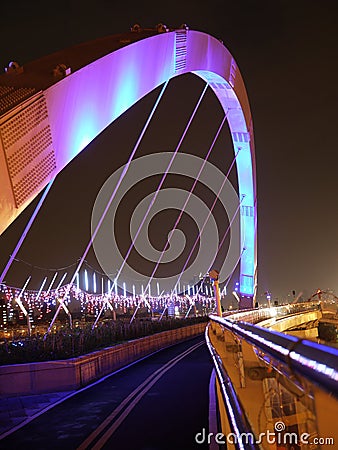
<point x="41" y="287"/>
<point x="234" y="293"/>
<point x="51" y="283"/>
<point x="86" y="280"/>
<point x="94" y="282"/>
<point x="61" y="281"/>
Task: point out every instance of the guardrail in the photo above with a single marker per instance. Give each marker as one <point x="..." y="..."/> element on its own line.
<point x="238" y="420"/>
<point x="258" y="315"/>
<point x="317" y="362"/>
<point x="311" y="367"/>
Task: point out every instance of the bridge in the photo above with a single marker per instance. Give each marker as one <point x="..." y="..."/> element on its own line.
<point x="270" y="389"/>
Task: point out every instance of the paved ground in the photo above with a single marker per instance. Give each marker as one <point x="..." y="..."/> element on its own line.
<point x="15" y="410"/>
<point x="159" y="403"/>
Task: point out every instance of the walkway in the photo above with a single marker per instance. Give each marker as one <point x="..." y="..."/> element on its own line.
<point x="159" y="403"/>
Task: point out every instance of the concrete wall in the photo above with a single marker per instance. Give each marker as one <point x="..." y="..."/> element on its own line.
<point x="71" y="374"/>
<point x="311" y="333"/>
<point x="295" y="320"/>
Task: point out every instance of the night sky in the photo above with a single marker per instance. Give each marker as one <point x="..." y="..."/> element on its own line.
<point x="287" y="54"/>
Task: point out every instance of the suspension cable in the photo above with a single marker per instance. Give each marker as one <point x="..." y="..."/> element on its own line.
<point x="207" y="218"/>
<point x="187" y="200"/>
<point x="220" y="245"/>
<point x="162" y="180"/>
<point x="27" y="228"/>
<point x="125" y="169"/>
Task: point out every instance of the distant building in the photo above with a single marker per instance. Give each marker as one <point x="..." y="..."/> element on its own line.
<point x="3" y="313"/>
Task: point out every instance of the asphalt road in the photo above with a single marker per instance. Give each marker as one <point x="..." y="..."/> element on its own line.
<point x="159" y="403"/>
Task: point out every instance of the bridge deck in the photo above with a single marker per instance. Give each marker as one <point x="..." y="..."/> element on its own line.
<point x="166" y="415"/>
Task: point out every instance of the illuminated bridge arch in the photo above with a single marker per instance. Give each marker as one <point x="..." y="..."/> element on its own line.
<point x="47" y="117"/>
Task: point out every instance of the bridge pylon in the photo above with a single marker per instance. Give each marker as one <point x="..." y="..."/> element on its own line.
<point x="246" y="302"/>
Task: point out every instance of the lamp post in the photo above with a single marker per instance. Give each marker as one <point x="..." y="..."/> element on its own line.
<point x="213" y="274"/>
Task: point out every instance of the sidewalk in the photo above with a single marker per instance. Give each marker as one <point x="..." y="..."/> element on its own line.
<point x="15" y="410"/>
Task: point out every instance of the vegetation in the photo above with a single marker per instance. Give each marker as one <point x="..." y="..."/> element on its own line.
<point x="68" y="343"/>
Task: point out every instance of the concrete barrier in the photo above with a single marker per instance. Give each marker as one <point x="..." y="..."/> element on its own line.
<point x="72" y="374"/>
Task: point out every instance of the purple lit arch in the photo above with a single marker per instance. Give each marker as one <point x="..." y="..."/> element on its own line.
<point x="59" y="117"/>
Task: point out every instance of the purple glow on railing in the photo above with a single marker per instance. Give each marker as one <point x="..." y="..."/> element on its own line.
<point x="316" y="362"/>
<point x="316" y="346"/>
<point x="315" y="365"/>
<point x="229" y="406"/>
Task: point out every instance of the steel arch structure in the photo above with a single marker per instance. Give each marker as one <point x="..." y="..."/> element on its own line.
<point x="50" y="112"/>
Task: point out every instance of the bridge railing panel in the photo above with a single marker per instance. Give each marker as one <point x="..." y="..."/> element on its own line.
<point x="276" y="388"/>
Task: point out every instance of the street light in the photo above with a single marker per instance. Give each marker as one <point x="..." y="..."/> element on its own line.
<point x="234" y="293"/>
<point x="213" y="274"/>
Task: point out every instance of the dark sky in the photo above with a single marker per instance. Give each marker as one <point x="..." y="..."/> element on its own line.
<point x="287" y="54"/>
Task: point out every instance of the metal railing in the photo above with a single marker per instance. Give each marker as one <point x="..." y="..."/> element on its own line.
<point x="316" y="364"/>
<point x="258" y="315"/>
<point x="238" y="420"/>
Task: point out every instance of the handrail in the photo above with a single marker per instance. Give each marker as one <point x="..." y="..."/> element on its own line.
<point x="316" y="362"/>
<point x="257" y="315"/>
<point x="238" y="420"/>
